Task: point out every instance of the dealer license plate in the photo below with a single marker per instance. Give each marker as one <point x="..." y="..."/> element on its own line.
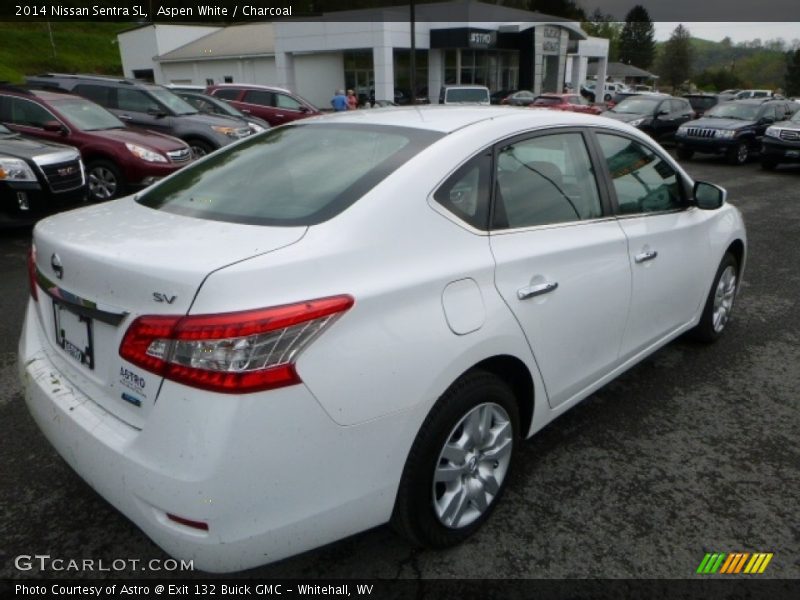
<point x="74" y="334"/>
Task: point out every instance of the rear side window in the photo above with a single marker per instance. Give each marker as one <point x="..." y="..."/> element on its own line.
<point x="226" y="93"/>
<point x="260" y="97"/>
<point x="466" y="192"/>
<point x="292" y="175"/>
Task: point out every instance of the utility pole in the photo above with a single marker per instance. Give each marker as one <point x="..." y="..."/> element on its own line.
<point x="52" y="41"/>
<point x="413" y="62"/>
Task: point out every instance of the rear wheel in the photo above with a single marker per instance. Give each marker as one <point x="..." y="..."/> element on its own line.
<point x="739" y="154"/>
<point x="719" y="304"/>
<point x="458" y="465"/>
<point x="105" y="180"/>
<point x="685" y="154"/>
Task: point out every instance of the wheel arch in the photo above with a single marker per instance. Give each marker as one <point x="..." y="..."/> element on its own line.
<point x="736" y="247"/>
<point x="517" y="375"/>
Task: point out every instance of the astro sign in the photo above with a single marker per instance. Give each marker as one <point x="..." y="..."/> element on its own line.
<point x="478" y="39"/>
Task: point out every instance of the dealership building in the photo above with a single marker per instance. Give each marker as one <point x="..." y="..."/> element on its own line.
<point x="370" y="51"/>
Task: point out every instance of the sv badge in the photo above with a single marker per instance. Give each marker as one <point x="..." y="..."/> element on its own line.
<point x="159" y="297"/>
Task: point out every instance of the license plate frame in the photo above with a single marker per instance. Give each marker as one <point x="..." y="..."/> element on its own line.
<point x="74" y="334"/>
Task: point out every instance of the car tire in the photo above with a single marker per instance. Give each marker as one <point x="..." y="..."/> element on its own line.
<point x="199" y="148"/>
<point x="685" y="154"/>
<point x="769" y="164"/>
<point x="105" y="180"/>
<point x="459" y="462"/>
<point x="739" y="154"/>
<point x="719" y="304"/>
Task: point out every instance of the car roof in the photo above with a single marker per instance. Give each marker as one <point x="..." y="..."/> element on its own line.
<point x="446" y="119"/>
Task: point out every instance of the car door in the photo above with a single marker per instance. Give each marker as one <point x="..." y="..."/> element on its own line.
<point x="287" y="108"/>
<point x="683" y="111"/>
<point x="561" y="259"/>
<point x="667" y="238"/>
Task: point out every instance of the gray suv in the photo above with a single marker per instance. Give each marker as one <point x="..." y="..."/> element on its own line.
<point x="149" y="106"/>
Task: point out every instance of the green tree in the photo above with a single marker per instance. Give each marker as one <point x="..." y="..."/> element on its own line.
<point x="637" y="45"/>
<point x="676" y="58"/>
<point x="792" y="82"/>
<point x="604" y="26"/>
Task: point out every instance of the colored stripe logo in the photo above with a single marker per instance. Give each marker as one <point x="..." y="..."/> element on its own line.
<point x="734" y="563"/>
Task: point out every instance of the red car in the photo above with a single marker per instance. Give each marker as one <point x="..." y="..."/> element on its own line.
<point x="275" y="105"/>
<point x="570" y="102"/>
<point x="117" y="158"/>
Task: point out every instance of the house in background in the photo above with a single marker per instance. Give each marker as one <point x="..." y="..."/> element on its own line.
<point x="627" y="74"/>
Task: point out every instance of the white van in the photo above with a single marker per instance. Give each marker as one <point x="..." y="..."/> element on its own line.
<point x="464" y="94"/>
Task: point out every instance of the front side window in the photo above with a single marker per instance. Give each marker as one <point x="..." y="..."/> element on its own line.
<point x="30" y="114"/>
<point x="284" y="101"/>
<point x="293" y="175"/>
<point x="544" y="180"/>
<point x="135" y="101"/>
<point x="642" y="180"/>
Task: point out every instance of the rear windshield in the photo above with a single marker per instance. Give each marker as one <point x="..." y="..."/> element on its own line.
<point x="293" y="175"/>
<point x="701" y="102"/>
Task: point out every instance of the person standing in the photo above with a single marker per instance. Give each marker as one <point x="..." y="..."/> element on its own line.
<point x="339" y="101"/>
<point x="352" y="101"/>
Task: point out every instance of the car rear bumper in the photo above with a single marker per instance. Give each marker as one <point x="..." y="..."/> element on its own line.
<point x="271" y="474"/>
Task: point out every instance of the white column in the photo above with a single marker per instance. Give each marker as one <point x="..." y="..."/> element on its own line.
<point x="579" y="71"/>
<point x="600" y="88"/>
<point x="435" y="73"/>
<point x="383" y="63"/>
<point x="284" y="67"/>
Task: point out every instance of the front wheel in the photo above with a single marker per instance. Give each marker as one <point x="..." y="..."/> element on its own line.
<point x="719" y="304"/>
<point x="458" y="465"/>
<point x="739" y="154"/>
<point x="199" y="148"/>
<point x="105" y="180"/>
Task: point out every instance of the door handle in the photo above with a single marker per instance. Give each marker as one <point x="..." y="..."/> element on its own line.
<point x="125" y="117"/>
<point x="645" y="256"/>
<point x="280" y="116"/>
<point x="536" y="290"/>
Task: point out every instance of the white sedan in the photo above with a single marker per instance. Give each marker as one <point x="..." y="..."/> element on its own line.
<point x="356" y="319"/>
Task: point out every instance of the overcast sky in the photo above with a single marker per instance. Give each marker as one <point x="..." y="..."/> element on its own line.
<point x="738" y="32"/>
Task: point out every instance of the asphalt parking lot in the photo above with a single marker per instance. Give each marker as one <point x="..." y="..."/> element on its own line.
<point x="693" y="451"/>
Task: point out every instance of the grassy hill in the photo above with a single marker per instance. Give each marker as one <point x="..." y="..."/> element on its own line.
<point x="79" y="47"/>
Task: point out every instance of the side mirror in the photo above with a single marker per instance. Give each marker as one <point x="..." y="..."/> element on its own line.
<point x="157" y="113"/>
<point x="708" y="196"/>
<point x="304" y="109"/>
<point x="662" y="113"/>
<point x="768" y="120"/>
<point x="55" y="127"/>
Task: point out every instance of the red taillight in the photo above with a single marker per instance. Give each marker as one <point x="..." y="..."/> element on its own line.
<point x="32" y="273"/>
<point x="234" y="353"/>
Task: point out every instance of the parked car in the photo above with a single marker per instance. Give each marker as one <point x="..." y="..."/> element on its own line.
<point x="151" y="107"/>
<point x="274" y="105"/>
<point x="610" y="90"/>
<point x="569" y="102"/>
<point x="214" y="106"/>
<point x="464" y="94"/>
<point x="781" y="142"/>
<point x="657" y="115"/>
<point x="37" y="178"/>
<point x="118" y="159"/>
<point x="497" y="97"/>
<point x="747" y="94"/>
<point x="620" y="96"/>
<point x="518" y="98"/>
<point x="701" y="102"/>
<point x="229" y="370"/>
<point x="732" y="128"/>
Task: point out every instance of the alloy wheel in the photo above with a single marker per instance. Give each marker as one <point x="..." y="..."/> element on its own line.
<point x="472" y="465"/>
<point x="102" y="183"/>
<point x="723" y="298"/>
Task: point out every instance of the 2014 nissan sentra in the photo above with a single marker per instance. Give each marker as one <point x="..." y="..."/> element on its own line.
<point x="356" y="319"/>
